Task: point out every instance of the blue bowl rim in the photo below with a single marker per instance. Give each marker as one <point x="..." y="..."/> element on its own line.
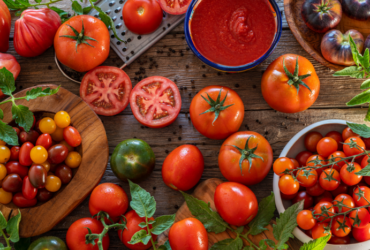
<point x="232" y="68"/>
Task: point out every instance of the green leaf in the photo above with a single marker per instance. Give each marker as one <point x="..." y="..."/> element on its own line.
<point x="8" y="134"/>
<point x="211" y="220"/>
<point x="12" y="228"/>
<point x="269" y="242"/>
<point x="77" y="8"/>
<point x="107" y="21"/>
<point x="5" y="248"/>
<point x="165" y="246"/>
<point x="38" y="1"/>
<point x="7" y="84"/>
<point x="359" y="99"/>
<point x="142" y="225"/>
<point x="3" y="222"/>
<point x="38" y="92"/>
<point x="240" y="229"/>
<point x="86" y="10"/>
<point x="22" y="116"/>
<point x="285" y="224"/>
<point x="62" y="13"/>
<point x="365" y="171"/>
<point x="318" y="244"/>
<point x="364" y="60"/>
<point x="162" y="223"/>
<point x="266" y="210"/>
<point x="354" y="50"/>
<point x="1" y="114"/>
<point x="140" y="236"/>
<point x="23" y="244"/>
<point x="228" y="244"/>
<point x="352" y="71"/>
<point x="365" y="84"/>
<point x="367" y="117"/>
<point x="248" y="248"/>
<point x="141" y="201"/>
<point x="15" y="5"/>
<point x="360" y="129"/>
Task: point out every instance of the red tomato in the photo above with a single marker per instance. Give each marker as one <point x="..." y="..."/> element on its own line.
<point x="142" y="16"/>
<point x="110" y="198"/>
<point x="337" y="229"/>
<point x="347" y="132"/>
<point x="311" y="140"/>
<point x="329" y="179"/>
<point x="302" y="157"/>
<point x="57" y="153"/>
<point x="315" y="190"/>
<point x="363" y="217"/>
<point x="307" y="177"/>
<point x="12" y="183"/>
<point x="29" y="192"/>
<point x="188" y="234"/>
<point x="77" y="231"/>
<point x="316" y="161"/>
<point x="20" y="201"/>
<point x="336" y="156"/>
<point x="341" y="189"/>
<point x="288" y="197"/>
<point x="14" y="167"/>
<point x="318" y="210"/>
<point x="35" y="30"/>
<point x="133" y="221"/>
<point x="361" y="234"/>
<point x="288" y="185"/>
<point x="327" y="196"/>
<point x="326" y="146"/>
<point x="85" y="57"/>
<point x="30" y="136"/>
<point x="14" y="153"/>
<point x="281" y="165"/>
<point x="366" y="141"/>
<point x="175" y="7"/>
<point x="5" y="24"/>
<point x="8" y="61"/>
<point x="348" y="174"/>
<point x="155" y="102"/>
<point x="337" y="137"/>
<point x="44" y="195"/>
<point x="109" y="96"/>
<point x="346" y="200"/>
<point x="318" y="231"/>
<point x="45" y="141"/>
<point x="227" y="104"/>
<point x="305" y="220"/>
<point x="340" y="240"/>
<point x="72" y="136"/>
<point x="236" y="203"/>
<point x="25" y="154"/>
<point x="183" y="168"/>
<point x="352" y="150"/>
<point x="37" y="176"/>
<point x="303" y="195"/>
<point x="360" y="197"/>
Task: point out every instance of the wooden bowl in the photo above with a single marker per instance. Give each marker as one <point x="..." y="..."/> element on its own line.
<point x="95" y="154"/>
<point x="310" y="40"/>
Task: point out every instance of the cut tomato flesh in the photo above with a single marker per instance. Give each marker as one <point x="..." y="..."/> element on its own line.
<point x="175" y="7"/>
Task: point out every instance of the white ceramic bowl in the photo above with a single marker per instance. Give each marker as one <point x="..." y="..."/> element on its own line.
<point x="296" y="145"/>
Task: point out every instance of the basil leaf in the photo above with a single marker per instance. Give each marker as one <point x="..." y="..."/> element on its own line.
<point x="365" y="171"/>
<point x="165" y="246"/>
<point x="141" y="201"/>
<point x="1" y="114"/>
<point x="107" y="21"/>
<point x="354" y="50"/>
<point x="359" y="99"/>
<point x="22" y="116"/>
<point x="8" y="134"/>
<point x="162" y="223"/>
<point x="266" y="210"/>
<point x="3" y="222"/>
<point x="140" y="236"/>
<point x="12" y="228"/>
<point x="228" y="244"/>
<point x="361" y="129"/>
<point x="211" y="220"/>
<point x="7" y="84"/>
<point x="285" y="225"/>
<point x="23" y="244"/>
<point x="77" y="8"/>
<point x="318" y="244"/>
<point x="38" y="92"/>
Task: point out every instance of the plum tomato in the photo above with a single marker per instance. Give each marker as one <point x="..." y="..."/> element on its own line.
<point x="20" y="201"/>
<point x="45" y="141"/>
<point x="359" y="217"/>
<point x="14" y="167"/>
<point x="318" y="230"/>
<point x="305" y="220"/>
<point x="337" y="156"/>
<point x="175" y="7"/>
<point x="337" y="137"/>
<point x="48" y="243"/>
<point x="288" y="185"/>
<point x="335" y="49"/>
<point x="76" y="234"/>
<point x="3" y="171"/>
<point x="302" y="158"/>
<point x="44" y="195"/>
<point x="307" y="177"/>
<point x="217" y="112"/>
<point x="72" y="136"/>
<point x="5" y="197"/>
<point x="53" y="183"/>
<point x="341" y="226"/>
<point x="319" y="207"/>
<point x="348" y="174"/>
<point x="155" y="102"/>
<point x="57" y="153"/>
<point x="311" y="140"/>
<point x="361" y="195"/>
<point x="62" y="119"/>
<point x="340" y="240"/>
<point x="110" y="198"/>
<point x="142" y="16"/>
<point x="12" y="183"/>
<point x="28" y="190"/>
<point x="73" y="159"/>
<point x="58" y="134"/>
<point x="341" y="189"/>
<point x="329" y="179"/>
<point x="303" y="195"/>
<point x="361" y="234"/>
<point x="64" y="173"/>
<point x="343" y="199"/>
<point x="245" y="157"/>
<point x="47" y="125"/>
<point x="39" y="154"/>
<point x="183" y="168"/>
<point x="281" y="165"/>
<point x="188" y="234"/>
<point x="30" y="136"/>
<point x="236" y="203"/>
<point x="354" y="146"/>
<point x="132" y="226"/>
<point x="106" y="90"/>
<point x="326" y="146"/>
<point x="25" y="154"/>
<point x="4" y="154"/>
<point x="37" y="175"/>
<point x="321" y="15"/>
<point x="315" y="190"/>
<point x="357" y="9"/>
<point x="14" y="153"/>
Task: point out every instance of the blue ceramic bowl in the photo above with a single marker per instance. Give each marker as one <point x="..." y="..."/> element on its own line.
<point x="245" y="67"/>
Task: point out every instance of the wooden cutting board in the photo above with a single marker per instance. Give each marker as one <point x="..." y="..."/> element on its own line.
<point x="205" y="191"/>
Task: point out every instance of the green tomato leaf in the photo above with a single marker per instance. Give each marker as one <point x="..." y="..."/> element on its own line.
<point x="3" y="222"/>
<point x="285" y="225"/>
<point x="367" y="117"/>
<point x="360" y="129"/>
<point x="77" y="8"/>
<point x="15" y="5"/>
<point x="240" y="229"/>
<point x="365" y="171"/>
<point x="354" y="50"/>
<point x="63" y="14"/>
<point x="262" y="245"/>
<point x="359" y="99"/>
<point x="266" y="210"/>
<point x="38" y="92"/>
<point x="142" y="202"/>
<point x="7" y="84"/>
<point x="107" y="21"/>
<point x="142" y="224"/>
<point x="365" y="84"/>
<point x="12" y="228"/>
<point x="211" y="220"/>
<point x="140" y="236"/>
<point x="5" y="248"/>
<point x="269" y="242"/>
<point x="22" y="116"/>
<point x="318" y="244"/>
<point x="8" y="134"/>
<point x="1" y="114"/>
<point x="248" y="248"/>
<point x="162" y="223"/>
<point x="349" y="71"/>
<point x="22" y="244"/>
<point x="228" y="244"/>
<point x="86" y="10"/>
<point x="165" y="246"/>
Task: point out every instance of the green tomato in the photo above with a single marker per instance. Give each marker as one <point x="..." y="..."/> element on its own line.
<point x="48" y="243"/>
<point x="132" y="159"/>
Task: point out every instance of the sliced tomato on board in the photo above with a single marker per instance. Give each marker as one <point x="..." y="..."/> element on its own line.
<point x="155" y="102"/>
<point x="175" y="7"/>
<point x="106" y="89"/>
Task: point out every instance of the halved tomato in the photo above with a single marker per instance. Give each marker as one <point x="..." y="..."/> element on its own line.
<point x="10" y="63"/>
<point x="106" y="89"/>
<point x="175" y="7"/>
<point x="155" y="101"/>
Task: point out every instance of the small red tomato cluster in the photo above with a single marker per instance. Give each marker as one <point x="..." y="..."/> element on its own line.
<point x="336" y="198"/>
<point x="43" y="162"/>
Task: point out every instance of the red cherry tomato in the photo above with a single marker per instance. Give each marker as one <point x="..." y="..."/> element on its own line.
<point x="362" y="215"/>
<point x="302" y="157"/>
<point x="318" y="210"/>
<point x="347" y="133"/>
<point x="318" y="230"/>
<point x="326" y="146"/>
<point x="175" y="7"/>
<point x="341" y="189"/>
<point x="340" y="240"/>
<point x="337" y="137"/>
<point x="337" y="229"/>
<point x="282" y="164"/>
<point x="327" y="196"/>
<point x="72" y="136"/>
<point x="44" y="195"/>
<point x="20" y="201"/>
<point x="346" y="200"/>
<point x="37" y="176"/>
<point x="348" y="174"/>
<point x="14" y="167"/>
<point x="12" y="183"/>
<point x="337" y="156"/>
<point x="25" y="154"/>
<point x="316" y="161"/>
<point x="45" y="141"/>
<point x="307" y="177"/>
<point x="30" y="136"/>
<point x="29" y="192"/>
<point x="360" y="195"/>
<point x="303" y="195"/>
<point x="288" y="185"/>
<point x="64" y="173"/>
<point x="305" y="220"/>
<point x="315" y="190"/>
<point x="57" y="153"/>
<point x="361" y="234"/>
<point x="351" y="150"/>
<point x="288" y="197"/>
<point x="366" y="141"/>
<point x="311" y="140"/>
<point x="330" y="179"/>
<point x="14" y="153"/>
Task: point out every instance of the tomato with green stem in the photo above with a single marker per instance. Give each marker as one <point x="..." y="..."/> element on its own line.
<point x="359" y="218"/>
<point x="335" y="157"/>
<point x="326" y="146"/>
<point x="361" y="196"/>
<point x="288" y="185"/>
<point x="348" y="174"/>
<point x="307" y="177"/>
<point x="282" y="165"/>
<point x="343" y="203"/>
<point x="353" y="146"/>
<point x="316" y="162"/>
<point x="347" y="132"/>
<point x="311" y="140"/>
<point x="329" y="179"/>
<point x="341" y="226"/>
<point x="323" y="210"/>
<point x="305" y="220"/>
<point x="320" y="230"/>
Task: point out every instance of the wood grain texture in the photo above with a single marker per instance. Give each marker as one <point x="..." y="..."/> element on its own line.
<point x="95" y="154"/>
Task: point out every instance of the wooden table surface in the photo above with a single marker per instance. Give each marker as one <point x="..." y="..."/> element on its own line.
<point x="191" y="75"/>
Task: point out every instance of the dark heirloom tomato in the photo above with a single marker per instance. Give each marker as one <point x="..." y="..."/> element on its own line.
<point x="37" y="175"/>
<point x="64" y="173"/>
<point x="12" y="183"/>
<point x="44" y="195"/>
<point x="57" y="153"/>
<point x="48" y="243"/>
<point x="357" y="9"/>
<point x="5" y="24"/>
<point x="336" y="49"/>
<point x="20" y="201"/>
<point x="72" y="136"/>
<point x="321" y="15"/>
<point x="14" y="167"/>
<point x="106" y="89"/>
<point x="155" y="102"/>
<point x="25" y="154"/>
<point x="29" y="192"/>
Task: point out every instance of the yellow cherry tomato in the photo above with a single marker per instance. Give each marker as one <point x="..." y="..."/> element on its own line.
<point x="3" y="171"/>
<point x="45" y="164"/>
<point x="39" y="154"/>
<point x="70" y="148"/>
<point x="5" y="197"/>
<point x="4" y="154"/>
<point x="47" y="125"/>
<point x="73" y="159"/>
<point x="58" y="134"/>
<point x="53" y="183"/>
<point x="2" y="143"/>
<point x="62" y="119"/>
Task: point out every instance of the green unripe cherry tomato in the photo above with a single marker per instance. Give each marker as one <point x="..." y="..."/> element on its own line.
<point x="48" y="243"/>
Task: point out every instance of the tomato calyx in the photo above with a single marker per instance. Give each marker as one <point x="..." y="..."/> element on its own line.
<point x="329" y="177"/>
<point x="356" y="220"/>
<point x="342" y="225"/>
<point x="295" y="79"/>
<point x="322" y="8"/>
<point x="350" y="168"/>
<point x="80" y="37"/>
<point x="216" y="106"/>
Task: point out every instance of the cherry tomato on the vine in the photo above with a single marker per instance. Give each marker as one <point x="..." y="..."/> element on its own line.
<point x="318" y="230"/>
<point x="341" y="226"/>
<point x="347" y="133"/>
<point x="348" y="174"/>
<point x="307" y="177"/>
<point x="311" y="140"/>
<point x="305" y="220"/>
<point x="337" y="137"/>
<point x="318" y="209"/>
<point x="282" y="164"/>
<point x="329" y="179"/>
<point x="337" y="156"/>
<point x="356" y="146"/>
<point x="359" y="218"/>
<point x="361" y="195"/>
<point x="288" y="185"/>
<point x="343" y="199"/>
<point x="361" y="234"/>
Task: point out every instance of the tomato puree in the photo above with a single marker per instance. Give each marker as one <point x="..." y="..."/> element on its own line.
<point x="233" y="32"/>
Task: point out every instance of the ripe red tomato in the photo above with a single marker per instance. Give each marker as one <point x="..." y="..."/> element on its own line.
<point x="25" y="154"/>
<point x="20" y="201"/>
<point x="288" y="197"/>
<point x="337" y="228"/>
<point x="326" y="196"/>
<point x="329" y="179"/>
<point x="85" y="57"/>
<point x="14" y="153"/>
<point x="77" y="231"/>
<point x="30" y="136"/>
<point x="341" y="189"/>
<point x="348" y="174"/>
<point x="318" y="210"/>
<point x="57" y="153"/>
<point x="72" y="136"/>
<point x="142" y="16"/>
<point x="106" y="90"/>
<point x="12" y="183"/>
<point x="183" y="168"/>
<point x="311" y="140"/>
<point x="45" y="141"/>
<point x="252" y="169"/>
<point x="14" y="167"/>
<point x="315" y="190"/>
<point x="337" y="137"/>
<point x="346" y="200"/>
<point x="236" y="203"/>
<point x="35" y="30"/>
<point x="305" y="220"/>
<point x="318" y="230"/>
<point x="336" y="156"/>
<point x="362" y="214"/>
<point x="340" y="240"/>
<point x="316" y="161"/>
<point x="288" y="185"/>
<point x="155" y="102"/>
<point x="349" y="150"/>
<point x="303" y="195"/>
<point x="361" y="234"/>
<point x="366" y="141"/>
<point x="326" y="146"/>
<point x="8" y="61"/>
<point x="44" y="195"/>
<point x="302" y="157"/>
<point x="175" y="7"/>
<point x="307" y="177"/>
<point x="347" y="133"/>
<point x="188" y="234"/>
<point x="29" y="192"/>
<point x="228" y="107"/>
<point x="5" y="24"/>
<point x="282" y="164"/>
<point x="133" y="221"/>
<point x="110" y="198"/>
<point x="358" y="196"/>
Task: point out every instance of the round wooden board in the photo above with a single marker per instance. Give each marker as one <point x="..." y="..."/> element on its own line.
<point x="95" y="155"/>
<point x="310" y="40"/>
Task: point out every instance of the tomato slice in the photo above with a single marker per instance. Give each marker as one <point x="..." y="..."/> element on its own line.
<point x="106" y="89"/>
<point x="175" y="7"/>
<point x="155" y="101"/>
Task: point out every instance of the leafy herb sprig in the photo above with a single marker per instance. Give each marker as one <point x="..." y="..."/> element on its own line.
<point x="12" y="230"/>
<point x="21" y="114"/>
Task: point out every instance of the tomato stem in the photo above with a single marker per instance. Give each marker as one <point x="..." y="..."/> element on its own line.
<point x="295" y="79"/>
<point x="151" y="238"/>
<point x="6" y="239"/>
<point x="47" y="4"/>
<point x="245" y="236"/>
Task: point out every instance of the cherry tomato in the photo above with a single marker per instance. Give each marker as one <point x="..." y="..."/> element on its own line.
<point x="348" y="174"/>
<point x="319" y="208"/>
<point x="37" y="175"/>
<point x="47" y="125"/>
<point x="73" y="159"/>
<point x="305" y="220"/>
<point x="4" y="154"/>
<point x="14" y="153"/>
<point x="5" y="197"/>
<point x="307" y="177"/>
<point x="236" y="203"/>
<point x="311" y="140"/>
<point x="288" y="197"/>
<point x="347" y="133"/>
<point x="316" y="161"/>
<point x="45" y="141"/>
<point x="282" y="164"/>
<point x="57" y="153"/>
<point x="72" y="136"/>
<point x="341" y="226"/>
<point x="58" y="134"/>
<point x="288" y="185"/>
<point x="303" y="195"/>
<point x="20" y="201"/>
<point x="25" y="154"/>
<point x="44" y="195"/>
<point x="337" y="156"/>
<point x="366" y="141"/>
<point x="64" y="173"/>
<point x="62" y="119"/>
<point x="359" y="194"/>
<point x="327" y="196"/>
<point x="340" y="240"/>
<point x="318" y="230"/>
<point x="30" y="136"/>
<point x="295" y="163"/>
<point x="53" y="183"/>
<point x="17" y="130"/>
<point x="326" y="146"/>
<point x="39" y="154"/>
<point x="337" y="137"/>
<point x="302" y="157"/>
<point x="315" y="190"/>
<point x="188" y="234"/>
<point x="45" y="164"/>
<point x="12" y="183"/>
<point x="69" y="147"/>
<point x="3" y="171"/>
<point x="29" y="192"/>
<point x="14" y="167"/>
<point x="361" y="234"/>
<point x="341" y="189"/>
<point x="329" y="179"/>
<point x="352" y="150"/>
<point x="362" y="215"/>
<point x="346" y="200"/>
